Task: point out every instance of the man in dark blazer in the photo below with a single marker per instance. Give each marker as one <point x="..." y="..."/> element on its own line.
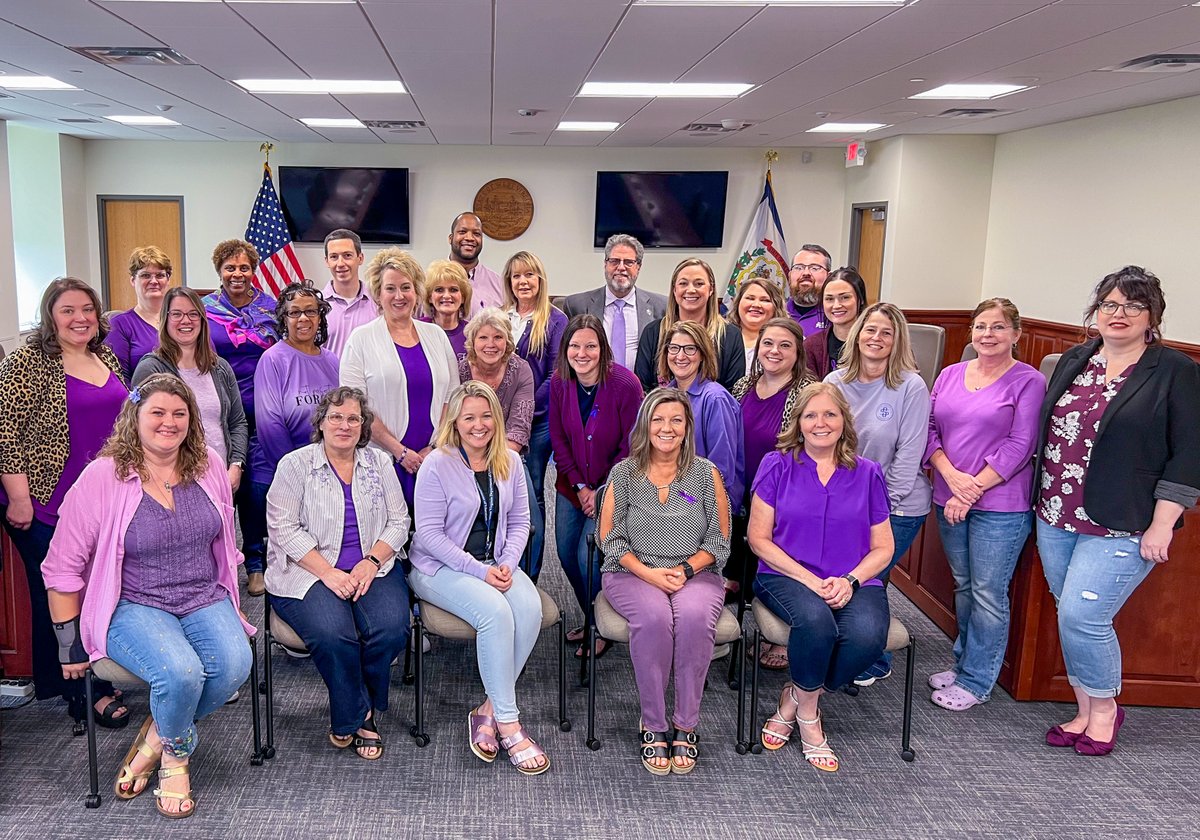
<point x="624" y="308"/>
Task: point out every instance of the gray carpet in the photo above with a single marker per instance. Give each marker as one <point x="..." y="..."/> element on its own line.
<point x="982" y="773"/>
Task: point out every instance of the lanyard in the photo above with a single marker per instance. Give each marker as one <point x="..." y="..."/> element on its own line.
<point x="487" y="503"/>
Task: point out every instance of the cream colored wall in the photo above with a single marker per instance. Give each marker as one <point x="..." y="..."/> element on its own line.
<point x="8" y="262"/>
<point x="1075" y="201"/>
<point x="219" y="182"/>
<point x="75" y="203"/>
<point x="878" y="179"/>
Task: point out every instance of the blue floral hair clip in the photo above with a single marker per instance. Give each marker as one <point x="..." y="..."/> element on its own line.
<point x="135" y="396"/>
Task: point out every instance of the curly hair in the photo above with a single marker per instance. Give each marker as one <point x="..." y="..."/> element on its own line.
<point x="124" y="445"/>
<point x="146" y="256"/>
<point x="791" y="439"/>
<point x="45" y="334"/>
<point x="1138" y="285"/>
<point x="299" y="290"/>
<point x="337" y="398"/>
<point x="231" y="248"/>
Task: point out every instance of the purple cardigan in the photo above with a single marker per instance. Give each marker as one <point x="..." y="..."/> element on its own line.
<point x="542" y="364"/>
<point x="719" y="434"/>
<point x="585" y="452"/>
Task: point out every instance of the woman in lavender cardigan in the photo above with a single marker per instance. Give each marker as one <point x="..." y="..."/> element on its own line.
<point x="593" y="404"/>
<point x="471" y="506"/>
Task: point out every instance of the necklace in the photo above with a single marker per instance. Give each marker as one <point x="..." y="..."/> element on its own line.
<point x="590" y="390"/>
<point x="168" y="486"/>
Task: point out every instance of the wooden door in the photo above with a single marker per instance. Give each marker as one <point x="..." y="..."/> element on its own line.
<point x="128" y="222"/>
<point x="868" y="226"/>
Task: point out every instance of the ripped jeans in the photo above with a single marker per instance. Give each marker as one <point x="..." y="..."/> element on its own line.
<point x="1090" y="578"/>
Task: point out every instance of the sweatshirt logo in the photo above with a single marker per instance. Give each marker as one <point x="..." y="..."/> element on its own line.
<point x="885" y="412"/>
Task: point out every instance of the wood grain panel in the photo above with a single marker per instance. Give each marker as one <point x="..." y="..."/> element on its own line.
<point x="16" y="640"/>
<point x="132" y="223"/>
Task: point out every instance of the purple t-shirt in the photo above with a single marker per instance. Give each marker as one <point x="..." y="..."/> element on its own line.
<point x="830" y="533"/>
<point x="458" y="338"/>
<point x="130" y="338"/>
<point x="91" y="413"/>
<point x="288" y="386"/>
<point x="995" y="426"/>
<point x="419" y="380"/>
<point x="351" y="551"/>
<point x="762" y="421"/>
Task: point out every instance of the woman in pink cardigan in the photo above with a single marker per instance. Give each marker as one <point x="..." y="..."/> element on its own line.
<point x="145" y="573"/>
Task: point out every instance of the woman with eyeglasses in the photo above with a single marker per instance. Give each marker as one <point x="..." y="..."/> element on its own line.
<point x="1117" y="467"/>
<point x="982" y="430"/>
<point x="134" y="332"/>
<point x="843" y="297"/>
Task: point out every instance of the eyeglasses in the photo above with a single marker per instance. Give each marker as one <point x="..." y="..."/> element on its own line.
<point x="158" y="275"/>
<point x="1129" y="310"/>
<point x="809" y="268"/>
<point x="995" y="328"/>
<point x="336" y="419"/>
<point x="297" y="314"/>
<point x="617" y="262"/>
<point x="689" y="350"/>
<point x="176" y="315"/>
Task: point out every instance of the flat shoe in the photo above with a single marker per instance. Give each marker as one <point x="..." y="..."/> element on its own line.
<point x="1056" y="736"/>
<point x="160" y="794"/>
<point x="942" y="679"/>
<point x="484" y="745"/>
<point x="509" y="743"/>
<point x="1086" y="745"/>
<point x="955" y="698"/>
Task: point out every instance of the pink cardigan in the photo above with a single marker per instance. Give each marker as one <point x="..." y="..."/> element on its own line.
<point x="89" y="543"/>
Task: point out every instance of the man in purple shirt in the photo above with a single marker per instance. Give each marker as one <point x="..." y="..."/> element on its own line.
<point x="806" y="278"/>
<point x="466" y="244"/>
<point x="346" y="293"/>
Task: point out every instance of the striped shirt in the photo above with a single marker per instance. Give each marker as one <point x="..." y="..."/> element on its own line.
<point x="663" y="536"/>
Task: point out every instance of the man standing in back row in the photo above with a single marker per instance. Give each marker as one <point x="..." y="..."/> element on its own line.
<point x="806" y="278"/>
<point x="346" y="294"/>
<point x="466" y="244"/>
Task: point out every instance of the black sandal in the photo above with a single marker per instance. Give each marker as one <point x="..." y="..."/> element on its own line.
<point x="106" y="718"/>
<point x="684" y="750"/>
<point x="365" y="742"/>
<point x="647" y="740"/>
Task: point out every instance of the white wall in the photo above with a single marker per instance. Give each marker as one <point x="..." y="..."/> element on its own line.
<point x="8" y="267"/>
<point x="219" y="182"/>
<point x="1075" y="201"/>
<point x="37" y="214"/>
<point x="75" y="202"/>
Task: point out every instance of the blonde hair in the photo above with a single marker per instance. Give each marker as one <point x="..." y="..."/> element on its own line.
<point x="901" y="358"/>
<point x="399" y="260"/>
<point x="449" y="439"/>
<point x="148" y="255"/>
<point x="124" y="445"/>
<point x="708" y="353"/>
<point x="639" y="438"/>
<point x="540" y="323"/>
<point x="446" y="271"/>
<point x="713" y="322"/>
<point x="791" y="439"/>
<point x="492" y="317"/>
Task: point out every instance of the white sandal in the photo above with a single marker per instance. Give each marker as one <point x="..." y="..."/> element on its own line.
<point x="814" y="753"/>
<point x="778" y="718"/>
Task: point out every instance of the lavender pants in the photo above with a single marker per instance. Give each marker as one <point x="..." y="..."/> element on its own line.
<point x="666" y="630"/>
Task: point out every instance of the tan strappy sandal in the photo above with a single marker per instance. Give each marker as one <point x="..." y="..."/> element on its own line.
<point x="160" y="794"/>
<point x="126" y="776"/>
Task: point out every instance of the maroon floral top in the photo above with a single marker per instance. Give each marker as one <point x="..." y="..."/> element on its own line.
<point x="1073" y="426"/>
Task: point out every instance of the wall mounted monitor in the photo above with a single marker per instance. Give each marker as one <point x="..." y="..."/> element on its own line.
<point x="372" y="202"/>
<point x="662" y="209"/>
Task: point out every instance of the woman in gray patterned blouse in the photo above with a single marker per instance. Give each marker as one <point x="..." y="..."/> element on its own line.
<point x="664" y="527"/>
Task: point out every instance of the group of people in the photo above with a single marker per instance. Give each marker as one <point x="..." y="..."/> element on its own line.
<point x="389" y="436"/>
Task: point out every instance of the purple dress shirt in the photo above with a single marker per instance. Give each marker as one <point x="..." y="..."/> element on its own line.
<point x="719" y="435"/>
<point x="130" y="338"/>
<point x="346" y="315"/>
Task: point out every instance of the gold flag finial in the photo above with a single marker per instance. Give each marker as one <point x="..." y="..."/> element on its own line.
<point x="771" y="157"/>
<point x="267" y="148"/>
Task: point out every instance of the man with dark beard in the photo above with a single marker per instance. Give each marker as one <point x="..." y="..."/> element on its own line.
<point x="466" y="244"/>
<point x="807" y="276"/>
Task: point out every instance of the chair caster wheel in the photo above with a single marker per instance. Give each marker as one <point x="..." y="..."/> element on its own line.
<point x="742" y="749"/>
<point x="564" y="726"/>
<point x="262" y="687"/>
<point x="422" y="741"/>
<point x="256" y="761"/>
<point x="734" y="685"/>
<point x="756" y="749"/>
<point x="268" y="753"/>
<point x="78" y="728"/>
<point x="92" y="800"/>
<point x="593" y="744"/>
<point x="409" y="679"/>
<point x="851" y="690"/>
<point x="908" y="755"/>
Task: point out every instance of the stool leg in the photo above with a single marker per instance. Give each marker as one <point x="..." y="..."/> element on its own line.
<point x="564" y="723"/>
<point x="906" y="750"/>
<point x="756" y="748"/>
<point x="256" y="757"/>
<point x="93" y="797"/>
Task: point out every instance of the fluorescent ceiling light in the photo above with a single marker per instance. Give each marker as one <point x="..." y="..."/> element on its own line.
<point x="142" y="119"/>
<point x="327" y="122"/>
<point x="970" y="91"/>
<point x="34" y="83"/>
<point x="652" y="89"/>
<point x="334" y="86"/>
<point x="777" y="2"/>
<point x="583" y="125"/>
<point x="848" y="128"/>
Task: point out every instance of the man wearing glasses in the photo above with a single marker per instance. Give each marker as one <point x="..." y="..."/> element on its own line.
<point x="807" y="276"/>
<point x="625" y="309"/>
<point x="466" y="244"/>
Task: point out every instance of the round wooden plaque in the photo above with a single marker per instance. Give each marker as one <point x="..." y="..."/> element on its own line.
<point x="505" y="207"/>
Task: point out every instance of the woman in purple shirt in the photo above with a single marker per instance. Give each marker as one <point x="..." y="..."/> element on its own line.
<point x="134" y="332"/>
<point x="448" y="300"/>
<point x="593" y="403"/>
<point x="819" y="561"/>
<point x="982" y="429"/>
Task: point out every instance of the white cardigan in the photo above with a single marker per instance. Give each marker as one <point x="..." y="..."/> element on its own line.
<point x="370" y="363"/>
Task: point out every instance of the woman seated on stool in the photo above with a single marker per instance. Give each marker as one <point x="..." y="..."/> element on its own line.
<point x="664" y="527"/>
<point x="472" y="523"/>
<point x="336" y="516"/>
<point x="144" y="572"/>
<point x="813" y="560"/>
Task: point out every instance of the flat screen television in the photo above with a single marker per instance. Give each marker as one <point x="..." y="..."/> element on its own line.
<point x="662" y="209"/>
<point x="372" y="202"/>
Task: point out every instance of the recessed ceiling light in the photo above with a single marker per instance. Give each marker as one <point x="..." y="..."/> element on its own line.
<point x="583" y="125"/>
<point x="848" y="128"/>
<point x="327" y="122"/>
<point x="334" y="86"/>
<point x="969" y="91"/>
<point x="141" y="119"/>
<point x="34" y="83"/>
<point x="652" y="89"/>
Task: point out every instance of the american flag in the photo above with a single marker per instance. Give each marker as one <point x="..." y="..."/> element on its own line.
<point x="267" y="232"/>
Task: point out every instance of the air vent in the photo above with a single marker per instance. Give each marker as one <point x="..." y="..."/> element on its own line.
<point x="392" y="125"/>
<point x="972" y="113"/>
<point x="77" y="120"/>
<point x="1158" y="63"/>
<point x="716" y="128"/>
<point x="157" y="56"/>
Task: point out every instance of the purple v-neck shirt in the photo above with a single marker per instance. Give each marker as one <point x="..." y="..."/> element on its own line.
<point x="130" y="338"/>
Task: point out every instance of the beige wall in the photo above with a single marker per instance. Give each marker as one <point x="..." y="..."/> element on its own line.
<point x="8" y="263"/>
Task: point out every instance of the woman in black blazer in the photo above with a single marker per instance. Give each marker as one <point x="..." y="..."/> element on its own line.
<point x="1118" y="462"/>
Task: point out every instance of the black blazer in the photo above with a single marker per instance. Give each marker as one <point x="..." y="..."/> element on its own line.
<point x="1148" y="443"/>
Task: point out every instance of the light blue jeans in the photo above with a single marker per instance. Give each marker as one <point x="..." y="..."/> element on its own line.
<point x="506" y="626"/>
<point x="193" y="664"/>
<point x="1091" y="578"/>
<point x="982" y="552"/>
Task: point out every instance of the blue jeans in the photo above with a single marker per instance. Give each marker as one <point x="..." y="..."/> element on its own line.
<point x="251" y="503"/>
<point x="193" y="664"/>
<point x="904" y="534"/>
<point x="536" y="459"/>
<point x="571" y="529"/>
<point x="506" y="626"/>
<point x="352" y="643"/>
<point x="1090" y="578"/>
<point x="827" y="648"/>
<point x="982" y="552"/>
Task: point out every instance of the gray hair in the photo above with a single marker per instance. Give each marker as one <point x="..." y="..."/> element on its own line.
<point x="494" y="317"/>
<point x="626" y="240"/>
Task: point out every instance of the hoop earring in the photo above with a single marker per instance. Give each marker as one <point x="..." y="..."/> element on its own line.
<point x="1091" y="331"/>
<point x="1151" y="335"/>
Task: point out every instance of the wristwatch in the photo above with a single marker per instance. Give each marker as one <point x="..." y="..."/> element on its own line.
<point x="688" y="571"/>
<point x="854" y="584"/>
<point x="580" y="486"/>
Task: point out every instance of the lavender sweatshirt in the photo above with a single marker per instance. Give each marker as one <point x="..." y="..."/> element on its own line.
<point x="288" y="386"/>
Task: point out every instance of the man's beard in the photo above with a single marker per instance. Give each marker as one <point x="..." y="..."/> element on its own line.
<point x="810" y="298"/>
<point x="457" y="251"/>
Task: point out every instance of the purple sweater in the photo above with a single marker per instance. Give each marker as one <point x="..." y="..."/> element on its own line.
<point x="719" y="435"/>
<point x="542" y="364"/>
<point x="585" y="452"/>
<point x="130" y="337"/>
<point x="996" y="426"/>
<point x="288" y="385"/>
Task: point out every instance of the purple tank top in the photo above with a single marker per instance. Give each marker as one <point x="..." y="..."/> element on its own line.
<point x="351" y="552"/>
<point x="420" y="398"/>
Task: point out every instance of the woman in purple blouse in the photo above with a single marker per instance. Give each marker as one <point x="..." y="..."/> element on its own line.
<point x="982" y="429"/>
<point x="819" y="560"/>
<point x="134" y="332"/>
<point x="448" y="300"/>
<point x="593" y="403"/>
<point x="843" y="297"/>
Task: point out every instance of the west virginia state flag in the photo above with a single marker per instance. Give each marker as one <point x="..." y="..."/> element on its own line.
<point x="765" y="254"/>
